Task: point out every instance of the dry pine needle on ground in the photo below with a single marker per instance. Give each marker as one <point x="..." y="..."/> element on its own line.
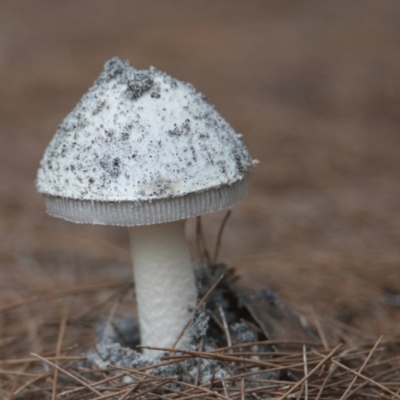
<point x="46" y="339"/>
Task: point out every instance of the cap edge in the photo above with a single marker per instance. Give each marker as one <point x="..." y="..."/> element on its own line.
<point x="130" y="213"/>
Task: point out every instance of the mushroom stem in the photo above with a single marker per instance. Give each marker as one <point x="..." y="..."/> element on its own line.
<point x="165" y="286"/>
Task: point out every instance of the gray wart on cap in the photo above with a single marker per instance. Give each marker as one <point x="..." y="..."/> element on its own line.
<point x="141" y="136"/>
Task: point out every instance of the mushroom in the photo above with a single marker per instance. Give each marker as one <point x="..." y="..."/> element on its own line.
<point x="144" y="150"/>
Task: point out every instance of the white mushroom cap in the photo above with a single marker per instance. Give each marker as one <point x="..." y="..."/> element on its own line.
<point x="138" y="144"/>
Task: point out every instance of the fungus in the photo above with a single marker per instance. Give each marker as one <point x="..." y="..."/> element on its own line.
<point x="144" y="150"/>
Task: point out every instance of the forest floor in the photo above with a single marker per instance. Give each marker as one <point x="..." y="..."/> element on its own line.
<point x="315" y="89"/>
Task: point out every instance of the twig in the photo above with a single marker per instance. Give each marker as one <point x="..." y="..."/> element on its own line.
<point x="367" y="379"/>
<point x="216" y="320"/>
<point x="131" y="390"/>
<point x="305" y="371"/>
<point x="199" y="304"/>
<point x="205" y="390"/>
<point x="199" y="361"/>
<point x="32" y="359"/>
<point x="107" y="396"/>
<point x="60" y="339"/>
<point x="225" y="325"/>
<point x="111" y="378"/>
<point x="67" y="373"/>
<point x="162" y="383"/>
<point x="344" y="396"/>
<point x="27" y="384"/>
<point x="201" y="243"/>
<point x="224" y="387"/>
<point x="382" y="373"/>
<point x="110" y="298"/>
<point x="324" y="360"/>
<point x="265" y="342"/>
<point x="320" y="331"/>
<point x="18" y="373"/>
<point x="211" y="356"/>
<point x="61" y="293"/>
<point x="114" y="308"/>
<point x="300" y="392"/>
<point x="219" y="237"/>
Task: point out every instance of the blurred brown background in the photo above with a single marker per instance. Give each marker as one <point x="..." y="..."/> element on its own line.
<point x="315" y="88"/>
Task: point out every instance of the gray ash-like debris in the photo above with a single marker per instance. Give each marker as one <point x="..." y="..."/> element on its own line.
<point x="124" y="331"/>
<point x="141" y="82"/>
<point x="242" y="333"/>
<point x="111" y="349"/>
<point x="112" y="68"/>
<point x="137" y="82"/>
<point x="198" y="328"/>
<point x="267" y="296"/>
<point x="247" y="324"/>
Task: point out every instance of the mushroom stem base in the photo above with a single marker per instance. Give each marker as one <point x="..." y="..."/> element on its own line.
<point x="164" y="281"/>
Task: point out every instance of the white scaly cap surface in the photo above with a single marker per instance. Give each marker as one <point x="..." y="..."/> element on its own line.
<point x="139" y="136"/>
